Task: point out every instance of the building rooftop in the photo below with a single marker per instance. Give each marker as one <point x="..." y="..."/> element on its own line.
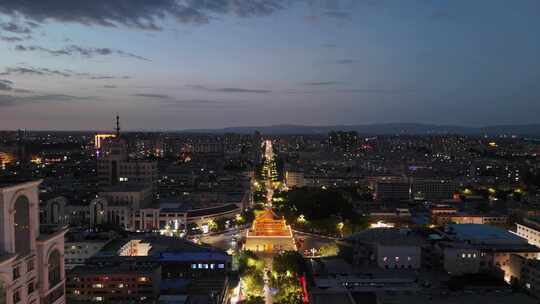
<point x="193" y="256"/>
<point x="331" y="297"/>
<point x="388" y="236"/>
<point x="126" y="187"/>
<point x="159" y="245"/>
<point x="532" y="222"/>
<point x="483" y="234"/>
<point x="455" y="298"/>
<point x="212" y="210"/>
<point x="268" y="224"/>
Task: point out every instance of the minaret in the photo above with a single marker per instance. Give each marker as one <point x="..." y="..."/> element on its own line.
<point x="117" y="125"/>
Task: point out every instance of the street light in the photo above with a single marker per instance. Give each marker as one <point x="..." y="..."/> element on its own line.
<point x="340" y="226"/>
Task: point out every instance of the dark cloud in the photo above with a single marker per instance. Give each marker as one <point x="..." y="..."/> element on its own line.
<point x="127" y="54"/>
<point x="55" y="72"/>
<point x="329" y="45"/>
<point x="24" y="91"/>
<point x="38" y="71"/>
<point x="170" y="101"/>
<point x="8" y="100"/>
<point x="197" y="86"/>
<point x="321" y="83"/>
<point x="12" y="100"/>
<point x="190" y="102"/>
<point x="32" y="24"/>
<point x="15" y="28"/>
<point x="11" y="39"/>
<point x="345" y="61"/>
<point x="142" y="14"/>
<point x="337" y="14"/>
<point x="439" y="14"/>
<point x="34" y="71"/>
<point x="157" y="96"/>
<point x="380" y="91"/>
<point x="22" y="71"/>
<point x="101" y="77"/>
<point x="239" y="90"/>
<point x="229" y="90"/>
<point x="312" y="18"/>
<point x="6" y="85"/>
<point x="78" y="50"/>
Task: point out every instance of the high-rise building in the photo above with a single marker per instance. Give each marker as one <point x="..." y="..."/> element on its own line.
<point x="114" y="165"/>
<point x="392" y="190"/>
<point x="343" y="141"/>
<point x="415" y="189"/>
<point x="31" y="259"/>
<point x="294" y="178"/>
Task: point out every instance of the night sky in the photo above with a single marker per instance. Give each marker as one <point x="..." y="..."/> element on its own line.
<point x="166" y="64"/>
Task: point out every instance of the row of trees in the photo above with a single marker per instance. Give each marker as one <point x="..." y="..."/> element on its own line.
<point x="251" y="270"/>
<point x="259" y="195"/>
<point x="502" y="194"/>
<point x="284" y="278"/>
<point x="221" y="224"/>
<point x="287" y="268"/>
<point x="323" y="211"/>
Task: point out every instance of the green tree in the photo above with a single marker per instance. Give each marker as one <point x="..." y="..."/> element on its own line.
<point x="254" y="300"/>
<point x="288" y="263"/>
<point x="289" y="292"/>
<point x="516" y="285"/>
<point x="254" y="283"/>
<point x="221" y="223"/>
<point x="331" y="249"/>
<point x="250" y="268"/>
<point x="193" y="229"/>
<point x="483" y="207"/>
<point x="287" y="268"/>
<point x="248" y="260"/>
<point x="212" y="226"/>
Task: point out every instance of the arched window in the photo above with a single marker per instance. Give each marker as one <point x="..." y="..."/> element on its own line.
<point x="55" y="213"/>
<point x="22" y="225"/>
<point x="54" y="268"/>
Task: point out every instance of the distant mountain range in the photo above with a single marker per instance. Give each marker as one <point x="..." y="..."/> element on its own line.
<point x="382" y="129"/>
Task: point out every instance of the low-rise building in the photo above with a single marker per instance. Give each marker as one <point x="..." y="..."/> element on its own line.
<point x="524" y="271"/>
<point x="114" y="280"/>
<point x="142" y="269"/>
<point x="473" y="248"/>
<point x="466" y="218"/>
<point x="529" y="229"/>
<point x="81" y="245"/>
<point x="387" y="248"/>
<point x="135" y="195"/>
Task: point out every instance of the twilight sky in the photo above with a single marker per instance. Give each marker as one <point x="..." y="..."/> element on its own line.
<point x="176" y="64"/>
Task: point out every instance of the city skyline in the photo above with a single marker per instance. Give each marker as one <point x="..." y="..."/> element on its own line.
<point x="174" y="65"/>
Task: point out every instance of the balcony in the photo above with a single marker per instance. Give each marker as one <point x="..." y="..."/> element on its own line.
<point x="53" y="296"/>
